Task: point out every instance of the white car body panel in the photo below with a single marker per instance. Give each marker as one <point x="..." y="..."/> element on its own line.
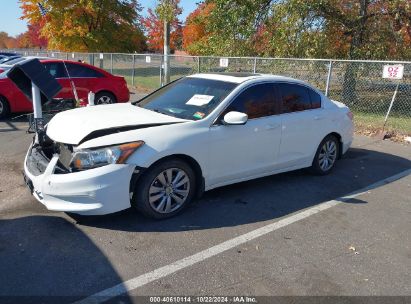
<point x="225" y="141"/>
<point x="92" y="192"/>
<point x="225" y="153"/>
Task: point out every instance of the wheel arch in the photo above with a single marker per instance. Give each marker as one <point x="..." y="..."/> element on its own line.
<point x="8" y="104"/>
<point x="193" y="163"/>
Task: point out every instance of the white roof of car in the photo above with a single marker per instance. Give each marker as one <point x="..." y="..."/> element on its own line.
<point x="241" y="77"/>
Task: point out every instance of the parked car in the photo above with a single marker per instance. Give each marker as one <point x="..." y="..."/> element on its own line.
<point x="6" y="59"/>
<point x="8" y="65"/>
<point x="197" y="133"/>
<point x="107" y="87"/>
<point x="8" y="54"/>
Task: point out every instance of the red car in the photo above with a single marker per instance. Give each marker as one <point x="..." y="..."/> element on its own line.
<point x="107" y="87"/>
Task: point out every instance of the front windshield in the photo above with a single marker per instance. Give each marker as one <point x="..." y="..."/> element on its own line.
<point x="188" y="98"/>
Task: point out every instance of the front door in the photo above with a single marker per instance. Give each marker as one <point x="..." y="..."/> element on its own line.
<point x="238" y="152"/>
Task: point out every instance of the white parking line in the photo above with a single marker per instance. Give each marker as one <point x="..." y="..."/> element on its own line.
<point x="161" y="272"/>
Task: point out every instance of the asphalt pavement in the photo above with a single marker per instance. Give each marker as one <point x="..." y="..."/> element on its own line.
<point x="317" y="240"/>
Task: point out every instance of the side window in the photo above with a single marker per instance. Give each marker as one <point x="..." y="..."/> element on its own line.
<point x="294" y="97"/>
<point x="315" y="99"/>
<point x="56" y="69"/>
<point x="77" y="70"/>
<point x="257" y="101"/>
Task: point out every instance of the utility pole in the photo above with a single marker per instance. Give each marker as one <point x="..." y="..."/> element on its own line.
<point x="166" y="51"/>
<point x="166" y="13"/>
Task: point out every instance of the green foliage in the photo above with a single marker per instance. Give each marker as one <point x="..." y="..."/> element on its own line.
<point x="350" y="29"/>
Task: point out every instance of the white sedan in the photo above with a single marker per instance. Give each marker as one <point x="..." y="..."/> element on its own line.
<point x="195" y="134"/>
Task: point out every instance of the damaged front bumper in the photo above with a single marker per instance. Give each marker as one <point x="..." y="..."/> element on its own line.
<point x="96" y="191"/>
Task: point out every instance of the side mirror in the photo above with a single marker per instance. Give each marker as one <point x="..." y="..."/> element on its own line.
<point x="235" y="118"/>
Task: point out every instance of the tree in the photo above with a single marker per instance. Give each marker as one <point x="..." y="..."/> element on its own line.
<point x="290" y="29"/>
<point x="195" y="32"/>
<point x="7" y="42"/>
<point x="346" y="29"/>
<point x="233" y="25"/>
<point x="361" y="26"/>
<point x="34" y="35"/>
<point x="154" y="26"/>
<point x="88" y="25"/>
<point x="23" y="41"/>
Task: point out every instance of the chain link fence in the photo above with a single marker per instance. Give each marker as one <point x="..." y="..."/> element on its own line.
<point x="359" y="84"/>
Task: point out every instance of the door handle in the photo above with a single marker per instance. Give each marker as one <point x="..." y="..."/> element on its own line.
<point x="272" y="126"/>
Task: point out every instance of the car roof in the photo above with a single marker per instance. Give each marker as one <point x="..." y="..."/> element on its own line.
<point x="243" y="77"/>
<point x="21" y="59"/>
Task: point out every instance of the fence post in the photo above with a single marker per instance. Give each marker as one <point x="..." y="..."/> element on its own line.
<point x="391" y="104"/>
<point x="255" y="65"/>
<point x="327" y="87"/>
<point x="133" y="73"/>
<point x="198" y="64"/>
<point x="111" y="63"/>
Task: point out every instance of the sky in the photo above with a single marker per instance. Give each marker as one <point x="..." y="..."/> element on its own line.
<point x="10" y="14"/>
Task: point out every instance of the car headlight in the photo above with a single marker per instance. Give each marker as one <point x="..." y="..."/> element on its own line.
<point x="88" y="159"/>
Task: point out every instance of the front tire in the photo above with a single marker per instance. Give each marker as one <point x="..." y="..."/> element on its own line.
<point x="326" y="156"/>
<point x="4" y="108"/>
<point x="104" y="98"/>
<point x="165" y="189"/>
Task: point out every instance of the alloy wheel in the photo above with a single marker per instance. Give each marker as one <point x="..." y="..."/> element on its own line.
<point x="328" y="155"/>
<point x="169" y="190"/>
<point x="104" y="100"/>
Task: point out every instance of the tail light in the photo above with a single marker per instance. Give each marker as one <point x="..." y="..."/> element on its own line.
<point x="350" y="115"/>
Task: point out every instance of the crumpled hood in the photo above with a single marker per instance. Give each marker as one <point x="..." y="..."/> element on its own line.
<point x="72" y="126"/>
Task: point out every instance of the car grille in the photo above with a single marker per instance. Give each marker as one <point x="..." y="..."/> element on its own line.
<point x="38" y="159"/>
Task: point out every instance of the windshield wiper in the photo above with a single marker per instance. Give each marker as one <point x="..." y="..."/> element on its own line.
<point x="162" y="112"/>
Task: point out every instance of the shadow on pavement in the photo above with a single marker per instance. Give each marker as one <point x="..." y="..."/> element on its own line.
<point x="46" y="259"/>
<point x="266" y="198"/>
<point x="8" y="126"/>
<point x="16" y="122"/>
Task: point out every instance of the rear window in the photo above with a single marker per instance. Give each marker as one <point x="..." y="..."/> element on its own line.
<point x="80" y="71"/>
<point x="294" y="98"/>
<point x="315" y="99"/>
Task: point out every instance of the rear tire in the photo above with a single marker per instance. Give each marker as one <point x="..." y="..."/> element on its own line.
<point x="165" y="189"/>
<point x="326" y="156"/>
<point x="104" y="98"/>
<point x="4" y="108"/>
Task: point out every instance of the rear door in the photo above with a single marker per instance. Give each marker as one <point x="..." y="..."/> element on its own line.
<point x="302" y="120"/>
<point x="242" y="151"/>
